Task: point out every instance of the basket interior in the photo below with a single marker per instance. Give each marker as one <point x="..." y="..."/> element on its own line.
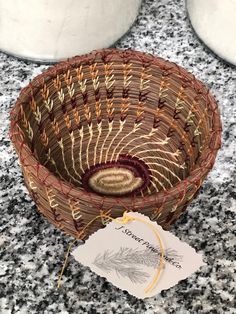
<point x="100" y="113"/>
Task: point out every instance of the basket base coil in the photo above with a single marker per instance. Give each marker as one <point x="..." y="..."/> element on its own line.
<point x="126" y="176"/>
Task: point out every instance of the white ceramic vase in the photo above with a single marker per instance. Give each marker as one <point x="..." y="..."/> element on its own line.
<point x="51" y="30"/>
<point x="215" y="23"/>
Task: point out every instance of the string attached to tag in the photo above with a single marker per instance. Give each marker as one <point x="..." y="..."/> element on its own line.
<point x="123" y="220"/>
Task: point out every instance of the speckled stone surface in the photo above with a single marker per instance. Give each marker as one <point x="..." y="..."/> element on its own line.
<point x="32" y="250"/>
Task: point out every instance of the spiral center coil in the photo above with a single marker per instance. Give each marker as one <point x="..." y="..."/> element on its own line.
<point x="127" y="175"/>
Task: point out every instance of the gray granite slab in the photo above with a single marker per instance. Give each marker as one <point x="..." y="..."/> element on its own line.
<point x="32" y="250"/>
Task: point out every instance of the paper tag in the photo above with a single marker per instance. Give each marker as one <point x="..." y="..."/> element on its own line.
<point x="129" y="256"/>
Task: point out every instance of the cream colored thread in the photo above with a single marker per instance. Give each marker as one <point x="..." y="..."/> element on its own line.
<point x="109" y="82"/>
<point x="175" y="154"/>
<point x="89" y="142"/>
<point x="47" y="100"/>
<point x="104" y="129"/>
<point x="157" y="181"/>
<point x="135" y="129"/>
<point x="179" y="101"/>
<point x="127" y="81"/>
<point x="49" y="105"/>
<point x="113" y="139"/>
<point x="80" y="148"/>
<point x="30" y="180"/>
<point x="127" y="77"/>
<point x="144" y="80"/>
<point x="163" y="176"/>
<point x="99" y="127"/>
<point x="38" y="115"/>
<point x="190" y="116"/>
<point x="154" y="185"/>
<point x="95" y="76"/>
<point x="110" y="124"/>
<point x="26" y="124"/>
<point x="75" y="209"/>
<point x="64" y="161"/>
<point x="30" y="132"/>
<point x="162" y="142"/>
<point x="80" y="75"/>
<point x="109" y="76"/>
<point x="197" y="132"/>
<point x="51" y="198"/>
<point x="35" y="110"/>
<point x="152" y="132"/>
<point x="31" y="183"/>
<point x="56" y="169"/>
<point x="164" y="86"/>
<point x="61" y="95"/>
<point x="96" y="83"/>
<point x="82" y="84"/>
<point x="69" y="82"/>
<point x="174" y="208"/>
<point x="57" y="84"/>
<point x="149" y="191"/>
<point x="72" y="153"/>
<point x="167" y="169"/>
<point x="164" y="159"/>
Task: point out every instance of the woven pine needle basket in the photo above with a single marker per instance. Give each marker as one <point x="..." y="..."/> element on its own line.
<point x="113" y="131"/>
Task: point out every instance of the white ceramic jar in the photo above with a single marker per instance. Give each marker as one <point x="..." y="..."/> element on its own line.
<point x="51" y="30"/>
<point x="215" y="23"/>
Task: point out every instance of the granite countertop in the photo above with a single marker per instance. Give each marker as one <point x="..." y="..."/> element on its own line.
<point x="32" y="250"/>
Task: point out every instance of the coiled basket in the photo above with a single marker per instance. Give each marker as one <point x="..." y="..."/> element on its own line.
<point x="113" y="131"/>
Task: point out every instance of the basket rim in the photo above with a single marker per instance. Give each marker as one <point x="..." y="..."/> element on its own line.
<point x="195" y="177"/>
